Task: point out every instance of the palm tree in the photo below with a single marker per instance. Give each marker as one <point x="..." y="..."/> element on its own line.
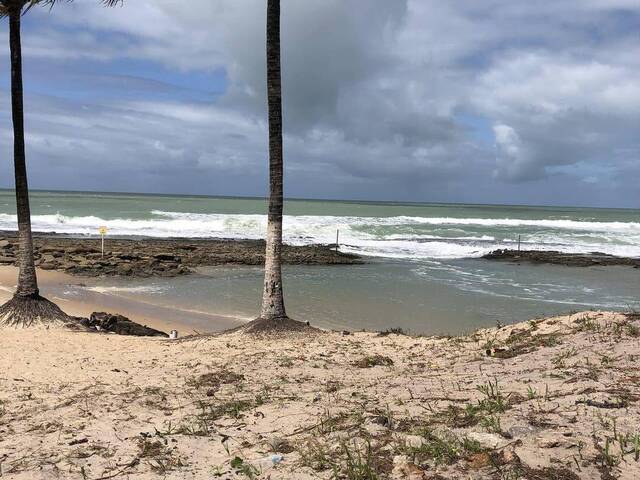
<point x="273" y="315"/>
<point x="27" y="307"/>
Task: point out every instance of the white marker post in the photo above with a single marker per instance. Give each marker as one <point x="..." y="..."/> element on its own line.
<point x="103" y="232"/>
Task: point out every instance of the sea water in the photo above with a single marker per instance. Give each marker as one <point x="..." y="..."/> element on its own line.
<point x="424" y="271"/>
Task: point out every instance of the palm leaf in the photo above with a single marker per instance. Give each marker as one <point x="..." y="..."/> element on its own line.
<point x="25" y="5"/>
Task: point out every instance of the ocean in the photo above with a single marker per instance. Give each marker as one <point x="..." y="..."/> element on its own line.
<point x="424" y="271"/>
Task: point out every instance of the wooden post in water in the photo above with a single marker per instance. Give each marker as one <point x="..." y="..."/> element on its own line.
<point x="518" y="242"/>
<point x="337" y="239"/>
<point x="103" y="232"/>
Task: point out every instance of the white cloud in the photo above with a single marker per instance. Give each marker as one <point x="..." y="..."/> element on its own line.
<point x="377" y="94"/>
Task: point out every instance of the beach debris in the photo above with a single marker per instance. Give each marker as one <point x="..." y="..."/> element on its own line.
<point x="78" y="441"/>
<point x="373" y="361"/>
<point x="119" y="324"/>
<point x="173" y="334"/>
<point x="279" y="445"/>
<point x="496" y="351"/>
<point x="276" y="459"/>
<point x="621" y="403"/>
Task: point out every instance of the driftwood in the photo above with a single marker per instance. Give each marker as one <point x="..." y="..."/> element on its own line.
<point x="604" y="404"/>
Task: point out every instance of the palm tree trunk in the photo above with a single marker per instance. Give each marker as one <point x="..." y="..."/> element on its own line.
<point x="27" y="281"/>
<point x="272" y="298"/>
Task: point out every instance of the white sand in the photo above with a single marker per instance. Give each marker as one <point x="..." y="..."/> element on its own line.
<point x="77" y="405"/>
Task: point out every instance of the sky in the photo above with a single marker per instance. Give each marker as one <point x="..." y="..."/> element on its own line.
<point x="514" y="102"/>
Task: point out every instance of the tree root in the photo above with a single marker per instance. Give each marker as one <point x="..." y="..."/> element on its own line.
<point x="261" y="326"/>
<point x="33" y="312"/>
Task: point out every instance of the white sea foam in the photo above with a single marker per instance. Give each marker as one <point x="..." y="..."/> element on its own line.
<point x="394" y="237"/>
<point x="117" y="289"/>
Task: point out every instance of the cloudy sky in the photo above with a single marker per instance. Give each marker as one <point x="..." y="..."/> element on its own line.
<point x="409" y="100"/>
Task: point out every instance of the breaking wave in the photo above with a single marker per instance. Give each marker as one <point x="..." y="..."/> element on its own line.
<point x="394" y="237"/>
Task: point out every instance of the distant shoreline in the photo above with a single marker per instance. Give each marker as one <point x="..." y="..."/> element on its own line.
<point x="332" y="200"/>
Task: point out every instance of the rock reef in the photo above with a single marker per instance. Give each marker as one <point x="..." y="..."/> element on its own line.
<point x="149" y="257"/>
<point x="562" y="258"/>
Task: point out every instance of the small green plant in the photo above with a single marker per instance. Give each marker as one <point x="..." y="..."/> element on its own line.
<point x="244" y="468"/>
<point x="286" y="362"/>
<point x="609" y="459"/>
<point x="633" y="330"/>
<point x="315" y="455"/>
<point x="329" y="423"/>
<point x="587" y="324"/>
<point x="458" y="417"/>
<point x="494" y="401"/>
<point x="559" y="359"/>
<point x="551" y="340"/>
<point x="444" y="448"/>
<point x="392" y="331"/>
<point x="532" y="394"/>
<point x="491" y="424"/>
<point x="358" y="465"/>
<point x="202" y="423"/>
<point x="213" y="380"/>
<point x="158" y="456"/>
<point x="373" y="361"/>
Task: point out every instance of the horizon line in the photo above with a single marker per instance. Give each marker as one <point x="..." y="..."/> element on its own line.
<point x="337" y="200"/>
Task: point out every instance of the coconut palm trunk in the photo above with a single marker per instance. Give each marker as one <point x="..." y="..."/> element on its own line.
<point x="27" y="280"/>
<point x="272" y="297"/>
<point x="273" y="317"/>
<point x="27" y="308"/>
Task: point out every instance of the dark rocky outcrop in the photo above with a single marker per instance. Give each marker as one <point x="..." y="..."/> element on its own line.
<point x="158" y="257"/>
<point x="562" y="258"/>
<point x="109" y="322"/>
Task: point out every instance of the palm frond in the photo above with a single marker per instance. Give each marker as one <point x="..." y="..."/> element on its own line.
<point x="25" y="5"/>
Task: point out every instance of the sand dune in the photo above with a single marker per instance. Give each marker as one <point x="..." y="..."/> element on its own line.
<point x="557" y="398"/>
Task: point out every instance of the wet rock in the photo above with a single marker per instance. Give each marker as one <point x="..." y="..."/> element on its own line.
<point x="562" y="258"/>
<point x="166" y="257"/>
<point x="160" y="257"/>
<point x="47" y="258"/>
<point x="119" y="324"/>
<point x="124" y="269"/>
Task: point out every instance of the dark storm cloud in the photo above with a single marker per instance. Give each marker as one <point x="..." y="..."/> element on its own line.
<point x="407" y="99"/>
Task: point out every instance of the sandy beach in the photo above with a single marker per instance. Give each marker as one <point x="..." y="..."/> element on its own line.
<point x="159" y="317"/>
<point x="553" y="398"/>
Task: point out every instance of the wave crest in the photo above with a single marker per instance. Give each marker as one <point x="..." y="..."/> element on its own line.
<point x="396" y="237"/>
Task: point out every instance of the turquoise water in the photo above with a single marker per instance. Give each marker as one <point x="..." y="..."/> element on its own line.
<point x="386" y="230"/>
<point x="424" y="272"/>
